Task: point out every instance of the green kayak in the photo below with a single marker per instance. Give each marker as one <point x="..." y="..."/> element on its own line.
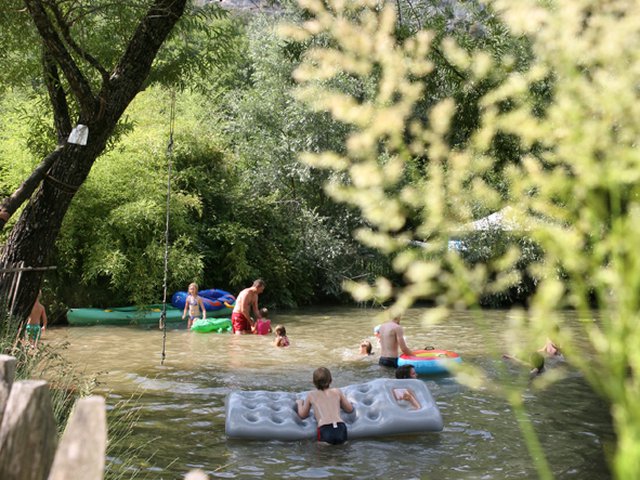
<point x="146" y="315"/>
<point x="211" y="325"/>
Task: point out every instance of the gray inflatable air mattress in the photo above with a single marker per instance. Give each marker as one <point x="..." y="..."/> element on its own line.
<point x="262" y="415"/>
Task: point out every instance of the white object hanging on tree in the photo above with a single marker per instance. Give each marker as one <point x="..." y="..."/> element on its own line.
<point x="79" y="135"/>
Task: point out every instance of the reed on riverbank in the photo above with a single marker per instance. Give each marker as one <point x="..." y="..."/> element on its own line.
<point x="66" y="386"/>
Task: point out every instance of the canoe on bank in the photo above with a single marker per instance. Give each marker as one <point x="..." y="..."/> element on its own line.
<point x="146" y="315"/>
<point x="149" y="314"/>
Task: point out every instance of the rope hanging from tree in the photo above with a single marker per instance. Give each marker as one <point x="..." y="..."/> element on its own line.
<point x="163" y="315"/>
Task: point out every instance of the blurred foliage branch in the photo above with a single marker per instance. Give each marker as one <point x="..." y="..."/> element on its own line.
<point x="555" y="139"/>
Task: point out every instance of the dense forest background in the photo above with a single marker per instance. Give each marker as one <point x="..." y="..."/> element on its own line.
<point x="242" y="206"/>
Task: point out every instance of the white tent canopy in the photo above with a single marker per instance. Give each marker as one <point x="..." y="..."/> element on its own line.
<point x="504" y="219"/>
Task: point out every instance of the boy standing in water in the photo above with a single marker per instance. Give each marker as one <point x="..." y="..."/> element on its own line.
<point x="32" y="328"/>
<point x="392" y="338"/>
<point x="326" y="403"/>
<point x="194" y="304"/>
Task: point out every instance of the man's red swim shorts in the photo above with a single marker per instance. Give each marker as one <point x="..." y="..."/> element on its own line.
<point x="240" y="323"/>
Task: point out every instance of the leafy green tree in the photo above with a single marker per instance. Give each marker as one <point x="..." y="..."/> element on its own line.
<point x="573" y="188"/>
<point x="111" y="246"/>
<point x="281" y="224"/>
<point x="94" y="58"/>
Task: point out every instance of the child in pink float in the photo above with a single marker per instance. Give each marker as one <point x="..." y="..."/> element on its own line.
<point x="263" y="324"/>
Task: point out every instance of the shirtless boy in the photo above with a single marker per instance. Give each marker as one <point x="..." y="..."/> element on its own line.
<point x="326" y="403"/>
<point x="392" y="337"/>
<point x="37" y="315"/>
<point x="246" y="303"/>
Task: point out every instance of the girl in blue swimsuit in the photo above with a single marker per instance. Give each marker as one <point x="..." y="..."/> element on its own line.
<point x="194" y="304"/>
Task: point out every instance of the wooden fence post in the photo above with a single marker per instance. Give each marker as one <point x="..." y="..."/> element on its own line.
<point x="81" y="453"/>
<point x="27" y="432"/>
<point x="7" y="374"/>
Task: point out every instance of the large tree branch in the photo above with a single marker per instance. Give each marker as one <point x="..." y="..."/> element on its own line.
<point x="22" y="194"/>
<point x="57" y="97"/>
<point x="134" y="66"/>
<point x="64" y="28"/>
<point x="123" y="85"/>
<point x="34" y="235"/>
<point x="79" y="85"/>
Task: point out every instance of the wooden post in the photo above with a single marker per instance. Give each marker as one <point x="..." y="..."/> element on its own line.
<point x="81" y="453"/>
<point x="28" y="432"/>
<point x="7" y="374"/>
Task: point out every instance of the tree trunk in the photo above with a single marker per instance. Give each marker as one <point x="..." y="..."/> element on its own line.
<point x="36" y="231"/>
<point x="34" y="235"/>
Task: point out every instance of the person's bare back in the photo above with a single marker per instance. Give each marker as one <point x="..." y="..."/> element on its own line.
<point x="392" y="337"/>
<point x="327" y="404"/>
<point x="246" y="302"/>
<point x="37" y="315"/>
<point x="32" y="328"/>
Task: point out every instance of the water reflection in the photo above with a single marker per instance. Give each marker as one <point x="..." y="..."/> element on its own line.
<point x="182" y="415"/>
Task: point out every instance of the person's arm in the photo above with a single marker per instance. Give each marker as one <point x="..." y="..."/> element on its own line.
<point x="304" y="406"/>
<point x="254" y="307"/>
<point x="44" y="319"/>
<point x="186" y="305"/>
<point x="346" y="405"/>
<point x="410" y="397"/>
<point x="401" y="343"/>
<point x="515" y="359"/>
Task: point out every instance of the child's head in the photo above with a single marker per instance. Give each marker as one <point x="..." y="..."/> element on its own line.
<point x="406" y="371"/>
<point x="264" y="312"/>
<point x="280" y="331"/>
<point x="365" y="347"/>
<point x="322" y="378"/>
<point x="193" y="288"/>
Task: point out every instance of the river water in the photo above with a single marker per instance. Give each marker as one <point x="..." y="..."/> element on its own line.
<point x="180" y="405"/>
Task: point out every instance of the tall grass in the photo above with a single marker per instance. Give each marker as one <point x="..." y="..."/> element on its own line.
<point x="45" y="362"/>
<point x="66" y="385"/>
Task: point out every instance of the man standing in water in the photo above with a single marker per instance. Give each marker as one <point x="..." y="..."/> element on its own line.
<point x="246" y="303"/>
<point x="392" y="337"/>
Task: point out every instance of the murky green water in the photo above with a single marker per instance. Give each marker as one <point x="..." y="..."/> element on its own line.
<point x="181" y="404"/>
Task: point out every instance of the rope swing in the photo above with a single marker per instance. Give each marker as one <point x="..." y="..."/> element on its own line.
<point x="163" y="315"/>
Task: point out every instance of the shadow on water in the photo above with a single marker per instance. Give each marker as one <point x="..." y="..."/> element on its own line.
<point x="182" y="414"/>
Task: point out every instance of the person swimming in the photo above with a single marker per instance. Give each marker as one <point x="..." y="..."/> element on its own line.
<point x="365" y="348"/>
